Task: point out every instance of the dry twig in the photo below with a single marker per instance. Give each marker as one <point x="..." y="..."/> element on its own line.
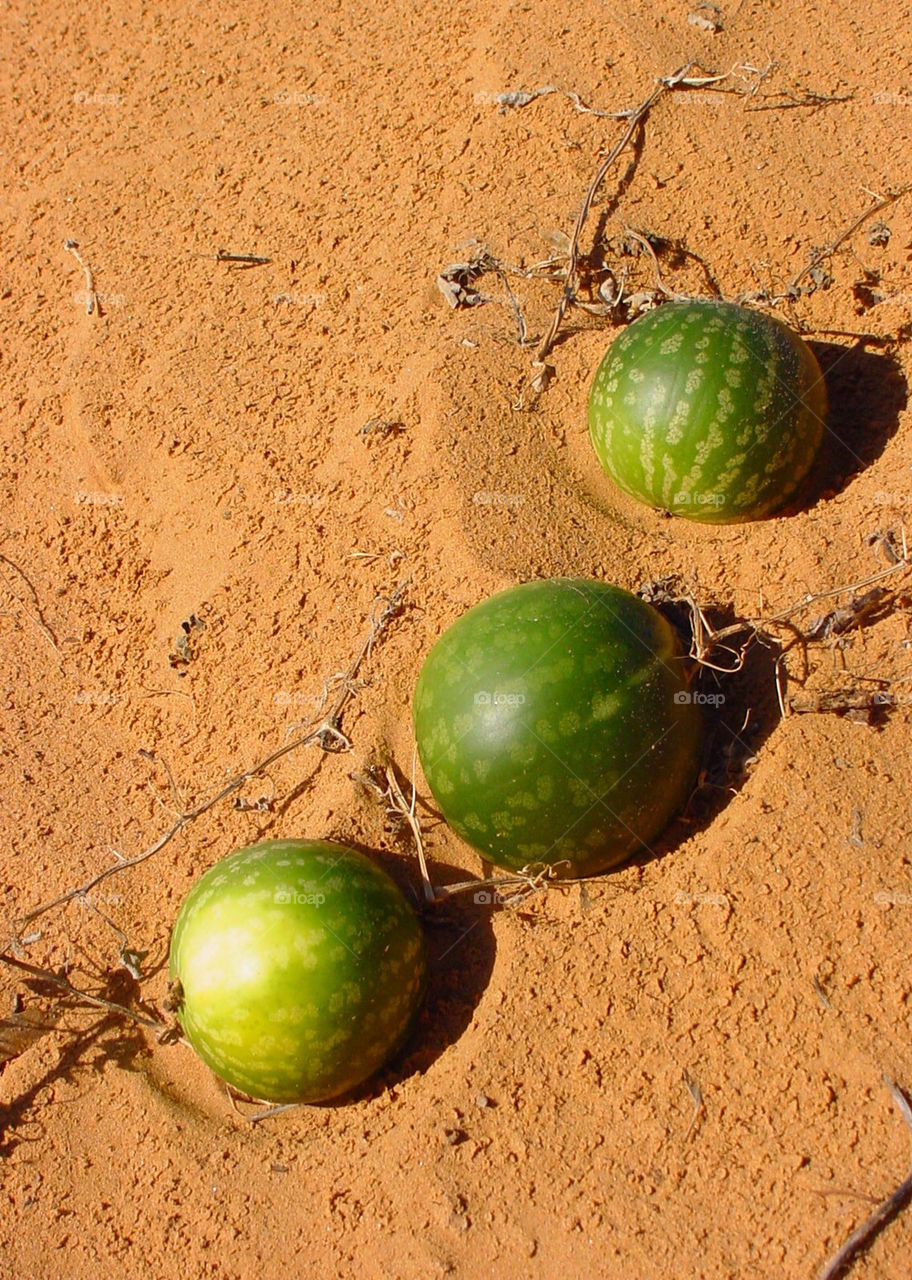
<point x="84" y="997"/>
<point x="91" y="304"/>
<point x="885" y="1211"/>
<point x="241" y="259"/>
<point x="38" y="618"/>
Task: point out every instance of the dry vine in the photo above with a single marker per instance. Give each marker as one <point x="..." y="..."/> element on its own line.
<point x="457" y="282"/>
<point x="717" y="650"/>
<point x="326" y="731"/>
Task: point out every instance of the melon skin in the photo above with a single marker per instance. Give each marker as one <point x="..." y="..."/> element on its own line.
<point x="710" y="410"/>
<point x="301" y="968"/>
<point x="555" y="726"/>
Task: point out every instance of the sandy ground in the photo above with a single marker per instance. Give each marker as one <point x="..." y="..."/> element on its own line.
<point x="196" y="450"/>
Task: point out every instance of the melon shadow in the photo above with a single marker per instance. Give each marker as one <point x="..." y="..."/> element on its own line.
<point x="866" y="393"/>
<point x="740" y="712"/>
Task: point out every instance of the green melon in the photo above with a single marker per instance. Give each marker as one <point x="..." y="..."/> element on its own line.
<point x="709" y="410"/>
<point x="301" y="968"/>
<point x="555" y="725"/>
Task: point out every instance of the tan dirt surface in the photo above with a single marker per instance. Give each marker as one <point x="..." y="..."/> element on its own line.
<point x="196" y="450"/>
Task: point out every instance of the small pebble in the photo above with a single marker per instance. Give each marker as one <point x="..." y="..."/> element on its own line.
<point x="482" y="1101"/>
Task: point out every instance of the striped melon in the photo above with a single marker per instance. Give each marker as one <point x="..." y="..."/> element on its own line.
<point x="301" y="968"/>
<point x="555" y="725"/>
<point x="709" y="410"/>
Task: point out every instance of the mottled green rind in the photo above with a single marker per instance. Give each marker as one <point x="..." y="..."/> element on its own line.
<point x="709" y="410"/>
<point x="592" y="766"/>
<point x="297" y="1001"/>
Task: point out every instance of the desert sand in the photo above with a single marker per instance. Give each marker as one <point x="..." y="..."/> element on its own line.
<point x="674" y="1071"/>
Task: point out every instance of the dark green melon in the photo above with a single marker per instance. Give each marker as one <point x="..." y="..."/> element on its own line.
<point x="555" y="725"/>
<point x="301" y="967"/>
<point x="709" y="410"/>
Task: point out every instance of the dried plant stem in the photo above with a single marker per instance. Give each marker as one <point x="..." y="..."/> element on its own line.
<point x="38" y="617"/>
<point x="643" y="242"/>
<point x="518" y="886"/>
<point x="327" y="733"/>
<point x="457" y="293"/>
<point x="72" y="246"/>
<point x="829" y="249"/>
<point x="407" y="811"/>
<point x="884" y="1212"/>
<point x="706" y="640"/>
<point x="634" y="120"/>
<point x="57" y="980"/>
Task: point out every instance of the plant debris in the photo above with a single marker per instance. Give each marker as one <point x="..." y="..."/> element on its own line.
<point x="708" y="17"/>
<point x="382" y="427"/>
<point x="185" y="649"/>
<point x="859" y="609"/>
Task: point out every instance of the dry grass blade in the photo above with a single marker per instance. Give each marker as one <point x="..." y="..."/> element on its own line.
<point x="696" y="1094"/>
<point x="885" y="1211"/>
<point x="406" y="810"/>
<point x="91" y="297"/>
